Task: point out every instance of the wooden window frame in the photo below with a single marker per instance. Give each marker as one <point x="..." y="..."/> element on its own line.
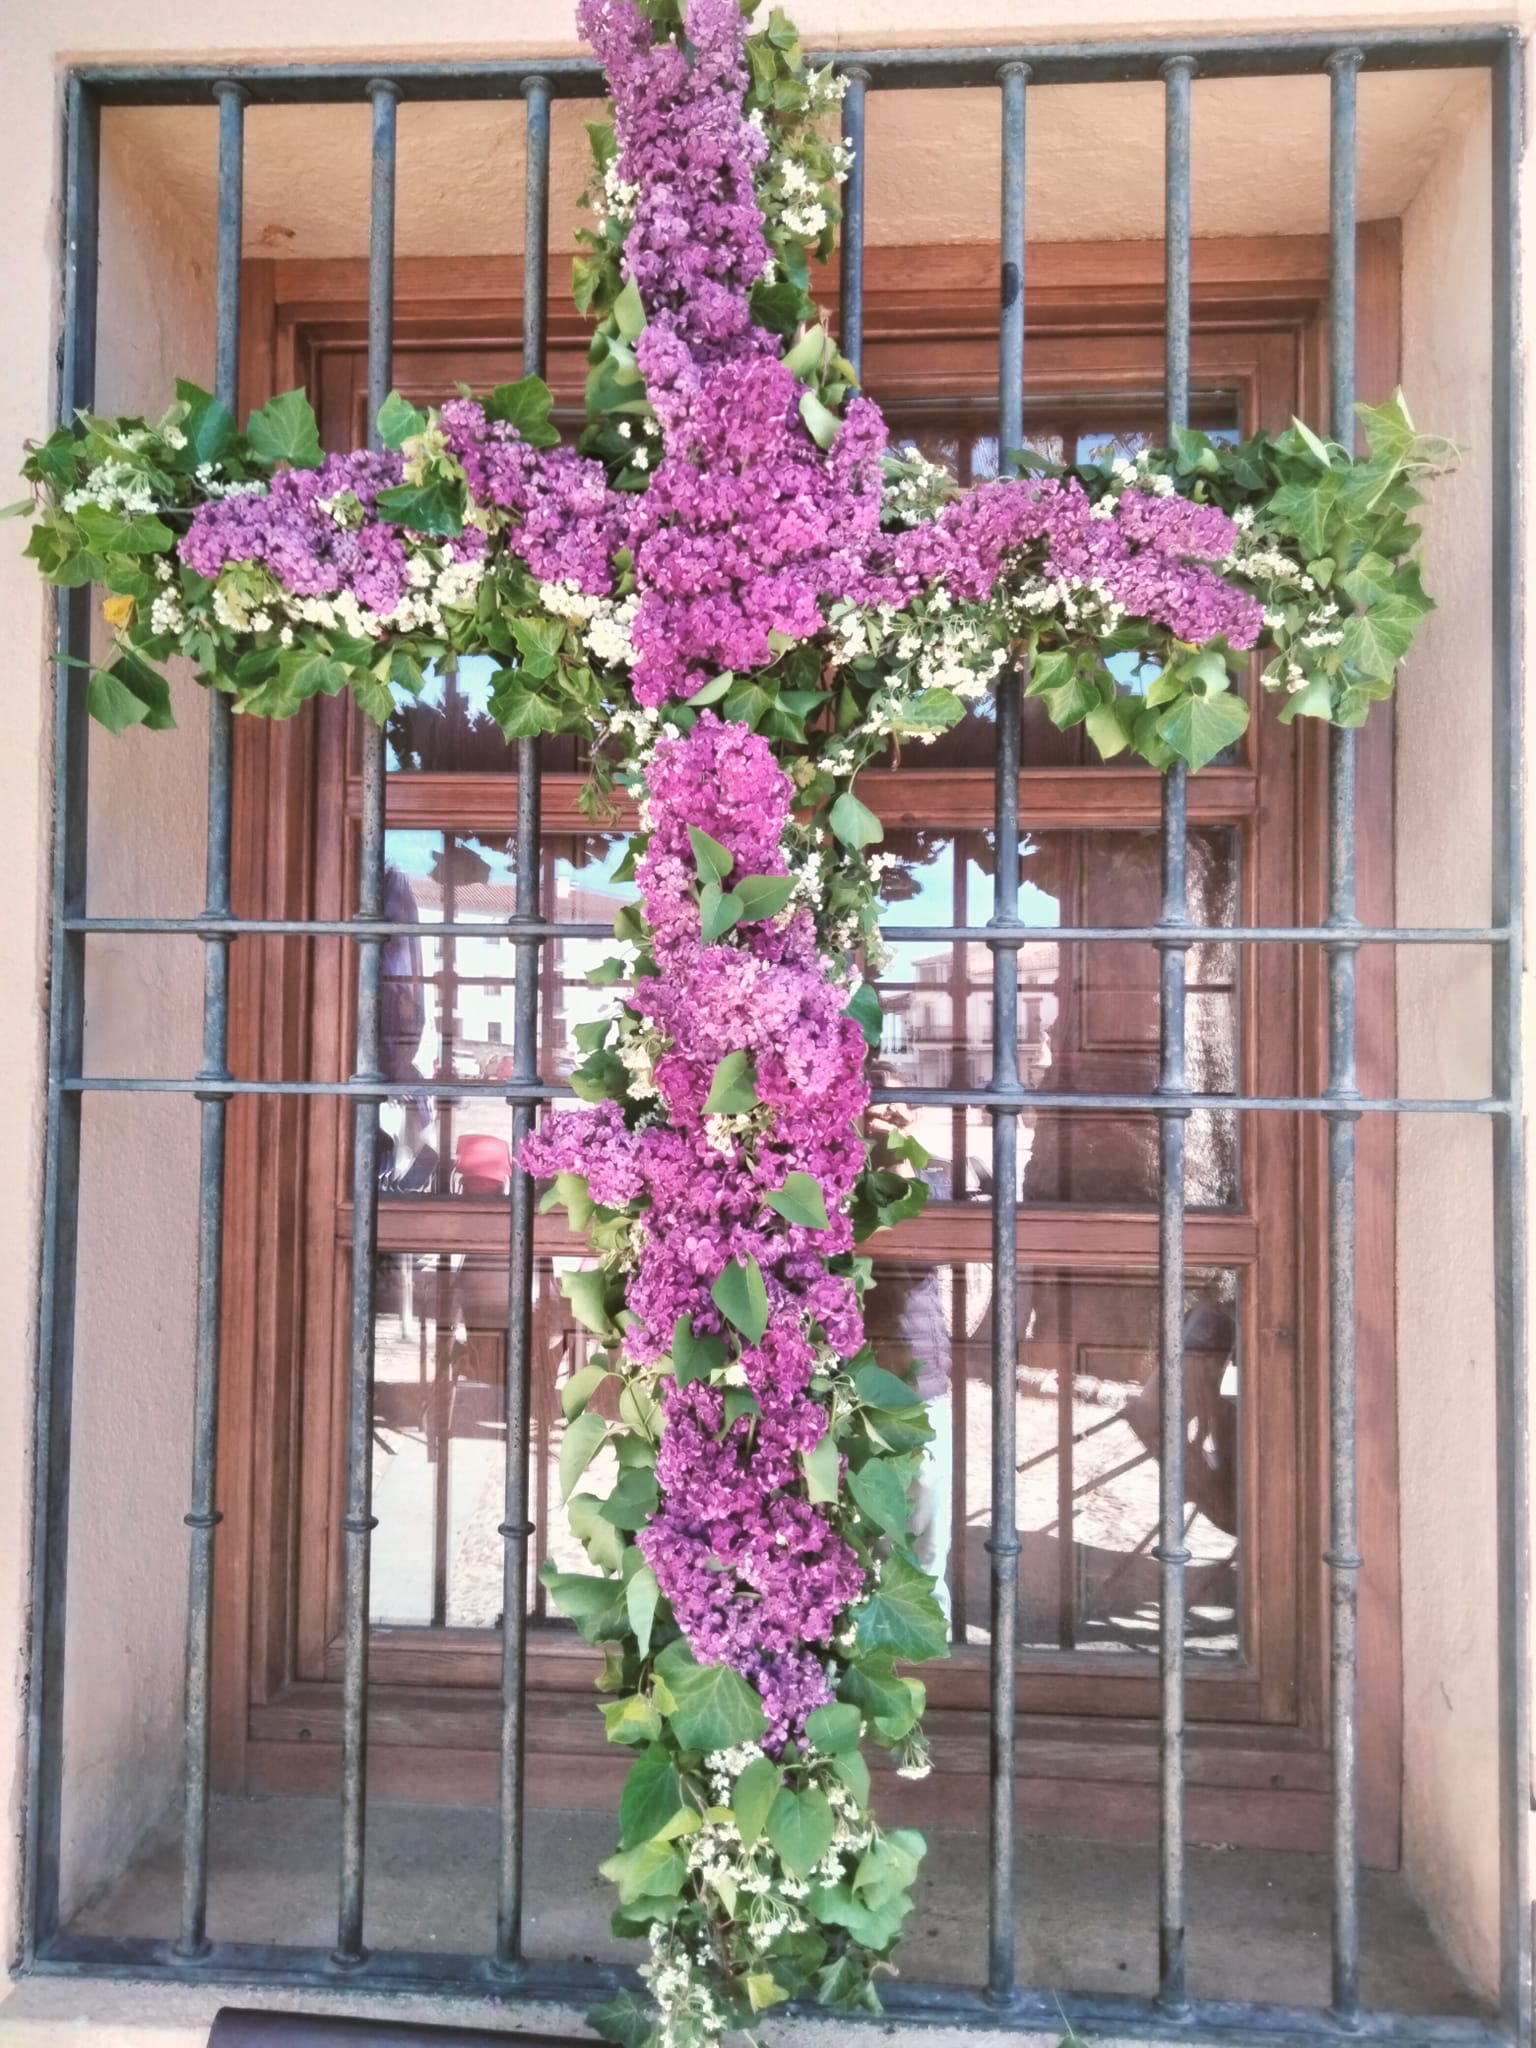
<point x="1258" y="1768"/>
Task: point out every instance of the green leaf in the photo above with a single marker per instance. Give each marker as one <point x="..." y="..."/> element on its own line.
<point x="627" y="2021"/>
<point x="284" y="430"/>
<point x="1109" y="726"/>
<point x="888" y="1866"/>
<point x="525" y="407"/>
<point x="801" y="1826"/>
<point x="834" y="1728"/>
<point x="1197" y="728"/>
<point x="596" y="1605"/>
<point x="881" y="1389"/>
<point x="800" y="1200"/>
<point x="695" y="1358"/>
<point x="873" y="1927"/>
<point x="733" y="1091"/>
<point x="122" y="533"/>
<point x="714" y="1706"/>
<point x="435" y="508"/>
<point x="902" y="1615"/>
<point x="712" y="692"/>
<point x="1376" y="640"/>
<point x="650" y="1797"/>
<point x="821" y="423"/>
<point x="597" y="1536"/>
<point x="1389" y="432"/>
<point x="584" y="1438"/>
<point x="882" y="1490"/>
<point x="854" y="823"/>
<point x="1369" y="581"/>
<point x="742" y="1299"/>
<point x="209" y="425"/>
<point x="649" y="1870"/>
<point x="717" y="912"/>
<point x="805" y="357"/>
<point x="1318" y="449"/>
<point x="763" y="1990"/>
<point x="864" y="1008"/>
<point x="633" y="1500"/>
<point x="148" y="686"/>
<point x="629" y="312"/>
<point x="1304" y="509"/>
<point x="753" y="1796"/>
<point x="632" y="1719"/>
<point x="400" y="421"/>
<point x="763" y="896"/>
<point x="641" y="1596"/>
<point x="310" y="672"/>
<point x="820" y="1467"/>
<point x="890" y="1704"/>
<point x="586" y="1290"/>
<point x="111" y="703"/>
<point x="713" y="861"/>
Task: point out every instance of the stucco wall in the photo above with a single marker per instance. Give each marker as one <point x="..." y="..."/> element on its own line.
<point x="135" y="1349"/>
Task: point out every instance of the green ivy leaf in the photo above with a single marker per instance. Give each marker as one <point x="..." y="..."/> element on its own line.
<point x="435" y="508"/>
<point x="753" y="1796"/>
<point x="882" y="1490"/>
<point x="632" y="1719"/>
<point x="854" y="823"/>
<point x="651" y="1795"/>
<point x="1197" y="728"/>
<point x="889" y="1703"/>
<point x="834" y="1728"/>
<point x="763" y="896"/>
<point x="285" y="430"/>
<point x="800" y="1200"/>
<point x="801" y="1826"/>
<point x="901" y="1614"/>
<point x="714" y="1707"/>
<point x="145" y="685"/>
<point x="627" y="2021"/>
<point x="400" y="421"/>
<point x="733" y="1090"/>
<point x="525" y="407"/>
<point x="742" y="1298"/>
<point x="586" y="1289"/>
<point x="596" y="1605"/>
<point x="1376" y="640"/>
<point x="649" y="1870"/>
<point x="209" y="425"/>
<point x="881" y="1389"/>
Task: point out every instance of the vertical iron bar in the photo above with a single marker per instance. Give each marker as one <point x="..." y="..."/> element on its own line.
<point x="851" y="241"/>
<point x="66" y="1040"/>
<point x="1171" y="1551"/>
<point x="1508" y="907"/>
<point x="1343" y="1557"/>
<point x="1003" y="1538"/>
<point x="203" y="1517"/>
<point x="516" y="1528"/>
<point x="357" y="1523"/>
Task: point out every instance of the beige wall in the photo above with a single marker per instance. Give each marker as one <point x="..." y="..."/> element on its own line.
<point x="1422" y="159"/>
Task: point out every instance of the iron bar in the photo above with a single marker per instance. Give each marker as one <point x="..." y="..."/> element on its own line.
<point x="66" y="1047"/>
<point x="1512" y="1420"/>
<point x="1343" y="1557"/>
<point x="358" y="1521"/>
<point x="516" y="1527"/>
<point x="850" y="305"/>
<point x="1171" y="1550"/>
<point x="912" y="934"/>
<point x="1474" y="46"/>
<point x="1005" y="1091"/>
<point x="203" y="1517"/>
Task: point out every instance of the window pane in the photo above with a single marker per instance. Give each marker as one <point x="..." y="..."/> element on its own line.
<point x="449" y="729"/>
<point x="1088" y="1011"/>
<point x="1088" y="1486"/>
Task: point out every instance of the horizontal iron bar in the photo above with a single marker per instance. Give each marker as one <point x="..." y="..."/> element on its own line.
<point x="895" y="934"/>
<point x="1080" y="63"/>
<point x="922" y="1098"/>
<point x="1225" y="2021"/>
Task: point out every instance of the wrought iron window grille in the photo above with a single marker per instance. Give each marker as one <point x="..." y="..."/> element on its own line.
<point x="1008" y="73"/>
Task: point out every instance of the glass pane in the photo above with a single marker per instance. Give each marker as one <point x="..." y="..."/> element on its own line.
<point x="449" y="1003"/>
<point x="1088" y="1011"/>
<point x="449" y="729"/>
<point x="1087" y="1449"/>
<point x="439" y="1437"/>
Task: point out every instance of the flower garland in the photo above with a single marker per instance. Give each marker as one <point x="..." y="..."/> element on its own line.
<point x="742" y="598"/>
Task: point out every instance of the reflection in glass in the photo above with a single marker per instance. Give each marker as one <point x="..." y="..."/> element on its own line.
<point x="448" y="728"/>
<point x="1088" y="1011"/>
<point x="448" y="1003"/>
<point x="439" y="1437"/>
<point x="1088" y="1488"/>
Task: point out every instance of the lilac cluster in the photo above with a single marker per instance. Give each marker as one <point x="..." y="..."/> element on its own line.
<point x="1149" y="553"/>
<point x="756" y="1574"/>
<point x="293" y="531"/>
<point x="566" y="522"/>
